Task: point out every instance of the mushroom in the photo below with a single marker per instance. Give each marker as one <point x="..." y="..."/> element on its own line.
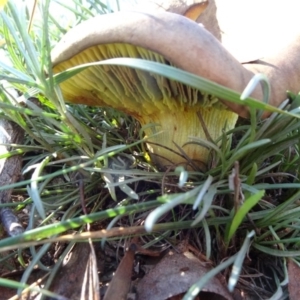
<point x="171" y="109"/>
<point x="169" y="106"/>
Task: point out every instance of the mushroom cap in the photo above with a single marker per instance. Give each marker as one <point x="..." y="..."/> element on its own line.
<point x="179" y="40"/>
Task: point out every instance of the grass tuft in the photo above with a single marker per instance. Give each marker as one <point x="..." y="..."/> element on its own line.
<point x="242" y="212"/>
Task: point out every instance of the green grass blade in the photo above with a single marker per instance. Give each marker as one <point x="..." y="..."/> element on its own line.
<point x="187" y="78"/>
<point x="238" y="263"/>
<point x="241" y="213"/>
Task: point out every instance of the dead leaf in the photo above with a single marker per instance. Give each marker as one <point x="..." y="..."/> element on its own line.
<point x="174" y="275"/>
<point x="294" y="275"/>
<point x="120" y="285"/>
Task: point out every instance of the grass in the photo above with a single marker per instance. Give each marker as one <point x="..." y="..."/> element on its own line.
<point x="243" y="211"/>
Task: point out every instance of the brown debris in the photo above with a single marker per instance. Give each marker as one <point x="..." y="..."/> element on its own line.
<point x="10" y="171"/>
<point x="294" y="275"/>
<point x="121" y="282"/>
<point x="75" y="279"/>
<point x="175" y="274"/>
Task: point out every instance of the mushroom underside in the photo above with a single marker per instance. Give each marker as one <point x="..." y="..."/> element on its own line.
<point x="168" y="111"/>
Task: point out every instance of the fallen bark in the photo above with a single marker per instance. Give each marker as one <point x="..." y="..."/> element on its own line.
<point x="10" y="170"/>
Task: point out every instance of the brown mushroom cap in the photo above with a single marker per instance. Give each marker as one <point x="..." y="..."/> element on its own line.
<point x="179" y="40"/>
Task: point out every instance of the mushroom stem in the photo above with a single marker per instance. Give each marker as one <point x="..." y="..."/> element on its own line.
<point x="179" y="127"/>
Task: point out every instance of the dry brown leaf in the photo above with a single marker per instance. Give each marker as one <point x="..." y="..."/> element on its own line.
<point x="294" y="275"/>
<point x="174" y="275"/>
<point x="121" y="282"/>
